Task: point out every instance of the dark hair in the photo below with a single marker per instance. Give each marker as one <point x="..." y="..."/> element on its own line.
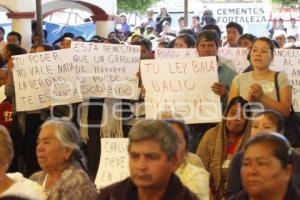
<point x="113" y="40"/>
<point x="124" y="17"/>
<point x="67" y="34"/>
<point x="14" y="49"/>
<point x="208" y="36"/>
<point x="236" y="26"/>
<point x="247" y="36"/>
<point x="180" y="18"/>
<point x="281" y="148"/>
<point x="187" y="30"/>
<point x="171" y="44"/>
<point x="291" y="37"/>
<point x="2" y="30"/>
<point x="149" y="29"/>
<point x="163" y="43"/>
<point x="144" y="42"/>
<point x="79" y="37"/>
<point x="14" y="33"/>
<point x="46" y="47"/>
<point x="97" y="37"/>
<point x="166" y="23"/>
<point x="196" y="17"/>
<point x="184" y="128"/>
<point x="188" y="39"/>
<point x="275" y="117"/>
<point x="266" y="40"/>
<point x="244" y="103"/>
<point x="213" y="27"/>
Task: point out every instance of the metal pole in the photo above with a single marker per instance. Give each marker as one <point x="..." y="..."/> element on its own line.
<point x="186" y="13"/>
<point x="39" y="21"/>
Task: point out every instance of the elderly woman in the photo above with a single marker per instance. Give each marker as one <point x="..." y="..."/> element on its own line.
<point x="14" y="184"/>
<point x="267" y="169"/>
<point x="264" y="122"/>
<point x="58" y="153"/>
<point x="220" y="143"/>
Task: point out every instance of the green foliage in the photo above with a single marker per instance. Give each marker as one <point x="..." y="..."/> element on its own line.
<point x="132" y="6"/>
<point x="286" y="2"/>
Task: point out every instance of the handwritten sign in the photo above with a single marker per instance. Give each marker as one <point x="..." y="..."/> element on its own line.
<point x="238" y="56"/>
<point x="182" y="86"/>
<point x="288" y="60"/>
<point x="114" y="164"/>
<point x="111" y="69"/>
<point x="165" y="53"/>
<point x="46" y="78"/>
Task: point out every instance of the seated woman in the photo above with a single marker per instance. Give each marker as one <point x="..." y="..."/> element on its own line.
<point x="220" y="143"/>
<point x="63" y="164"/>
<point x="267" y="169"/>
<point x="15" y="184"/>
<point x="191" y="175"/>
<point x="267" y="121"/>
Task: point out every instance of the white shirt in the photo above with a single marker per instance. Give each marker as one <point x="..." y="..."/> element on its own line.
<point x="24" y="188"/>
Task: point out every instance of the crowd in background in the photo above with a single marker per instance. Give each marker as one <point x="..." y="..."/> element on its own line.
<point x="245" y="156"/>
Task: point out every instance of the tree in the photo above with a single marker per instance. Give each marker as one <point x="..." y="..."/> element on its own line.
<point x="135" y="6"/>
<point x="286" y="2"/>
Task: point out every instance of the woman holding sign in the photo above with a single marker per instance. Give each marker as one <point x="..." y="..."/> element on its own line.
<point x="258" y="85"/>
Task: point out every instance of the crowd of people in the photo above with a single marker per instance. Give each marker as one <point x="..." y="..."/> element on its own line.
<point x="47" y="154"/>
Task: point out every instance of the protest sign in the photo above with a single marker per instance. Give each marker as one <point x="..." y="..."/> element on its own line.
<point x="46" y="78"/>
<point x="113" y="161"/>
<point x="288" y="60"/>
<point x="237" y="56"/>
<point x="111" y="69"/>
<point x="182" y="86"/>
<point x="165" y="53"/>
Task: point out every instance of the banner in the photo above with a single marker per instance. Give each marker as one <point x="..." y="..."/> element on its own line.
<point x="288" y="60"/>
<point x="165" y="53"/>
<point x="182" y="86"/>
<point x="238" y="56"/>
<point x="114" y="165"/>
<point x="111" y="69"/>
<point x="43" y="79"/>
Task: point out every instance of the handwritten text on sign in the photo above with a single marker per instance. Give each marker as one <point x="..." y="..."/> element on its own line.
<point x="113" y="161"/>
<point x="183" y="86"/>
<point x="165" y="53"/>
<point x="238" y="56"/>
<point x="46" y="78"/>
<point x="111" y="69"/>
<point x="288" y="60"/>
